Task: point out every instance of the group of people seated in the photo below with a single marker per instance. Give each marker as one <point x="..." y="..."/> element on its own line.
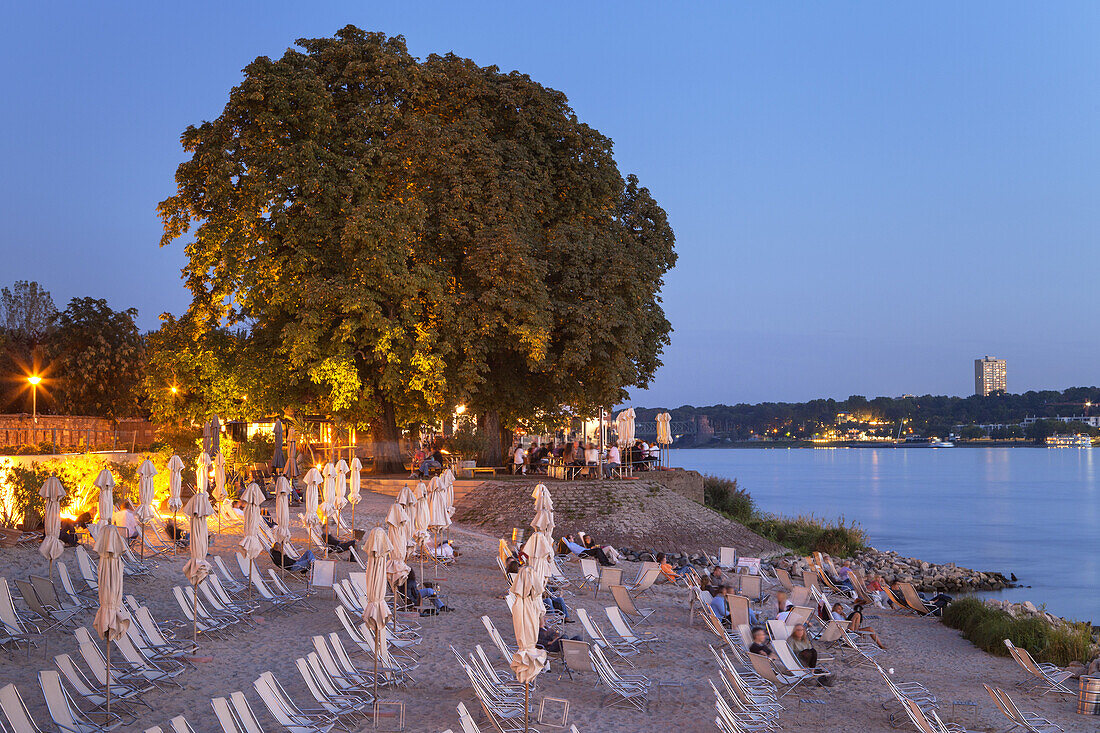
<point x="427" y="461"/>
<point x="605" y="555"/>
<point x="536" y="458"/>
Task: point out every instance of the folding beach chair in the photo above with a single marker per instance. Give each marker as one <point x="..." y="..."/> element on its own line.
<point x="626" y="605"/>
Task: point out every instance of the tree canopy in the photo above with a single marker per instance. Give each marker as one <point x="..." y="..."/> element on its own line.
<point x="398" y="236"/>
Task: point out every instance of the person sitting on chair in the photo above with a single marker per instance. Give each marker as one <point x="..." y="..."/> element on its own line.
<point x="550" y="639"/>
<point x="760" y="643"/>
<point x="336" y="545"/>
<point x="414" y="594"/>
<point x="671" y="574"/>
<point x="582" y="551"/>
<point x="281" y="559"/>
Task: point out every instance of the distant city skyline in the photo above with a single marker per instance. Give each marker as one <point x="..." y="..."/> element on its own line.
<point x="837" y="177"/>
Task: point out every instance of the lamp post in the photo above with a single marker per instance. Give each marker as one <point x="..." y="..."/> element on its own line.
<point x="34" y="380"/>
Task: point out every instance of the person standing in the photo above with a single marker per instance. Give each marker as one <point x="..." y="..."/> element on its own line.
<point x="519" y="460"/>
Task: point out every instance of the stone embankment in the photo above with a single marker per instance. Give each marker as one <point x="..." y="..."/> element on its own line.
<point x="925" y="576"/>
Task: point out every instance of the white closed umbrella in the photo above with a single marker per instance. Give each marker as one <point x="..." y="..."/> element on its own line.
<point x="175" y="483"/>
<point x="421" y="489"/>
<point x="375" y="611"/>
<point x="440" y="518"/>
<point x="527" y="613"/>
<point x="449" y="492"/>
<point x="202" y="473"/>
<point x="544" y="522"/>
<point x="146" y="494"/>
<point x="356" y="479"/>
<point x="339" y="495"/>
<point x="397" y="532"/>
<point x="538" y="549"/>
<point x="282" y="509"/>
<point x="329" y="495"/>
<point x="664" y="431"/>
<point x="422" y="517"/>
<point x="220" y="494"/>
<point x="53" y="492"/>
<point x="106" y="484"/>
<point x="111" y="621"/>
<point x="407" y="499"/>
<point x="543" y="500"/>
<point x="251" y="544"/>
<point x="197" y="568"/>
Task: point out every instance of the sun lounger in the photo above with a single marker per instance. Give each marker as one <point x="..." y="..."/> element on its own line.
<point x="65" y="713"/>
<point x="15" y="711"/>
<point x="1030" y="722"/>
<point x="622" y="649"/>
<point x="630" y="690"/>
<point x="327" y="697"/>
<point x="14" y="631"/>
<point x="286" y="713"/>
<point x="626" y="605"/>
<point x="763" y="666"/>
<point x="94" y="695"/>
<point x="84" y="599"/>
<point x="160" y="673"/>
<point x="627" y="633"/>
<point x="913" y="601"/>
<point x="48" y="595"/>
<point x="1048" y="677"/>
<point x="48" y="618"/>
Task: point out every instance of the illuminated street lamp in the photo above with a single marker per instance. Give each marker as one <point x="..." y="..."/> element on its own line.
<point x="34" y="380"/>
<point x="460" y="410"/>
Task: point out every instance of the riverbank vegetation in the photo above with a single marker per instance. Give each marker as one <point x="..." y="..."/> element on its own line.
<point x="987" y="628"/>
<point x="803" y="534"/>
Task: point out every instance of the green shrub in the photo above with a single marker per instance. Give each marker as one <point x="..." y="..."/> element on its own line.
<point x="803" y="534"/>
<point x="987" y="628"/>
<point x="725" y="496"/>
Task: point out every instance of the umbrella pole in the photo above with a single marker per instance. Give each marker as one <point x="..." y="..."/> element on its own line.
<point x="377" y="646"/>
<point x="395" y="608"/>
<point x="195" y="617"/>
<point x="108" y="675"/>
<point x="249" y="581"/>
<point x="526" y="706"/>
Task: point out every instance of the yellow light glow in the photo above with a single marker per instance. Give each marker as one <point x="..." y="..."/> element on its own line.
<point x="460" y="410"/>
<point x="174" y="389"/>
<point x="34" y="379"/>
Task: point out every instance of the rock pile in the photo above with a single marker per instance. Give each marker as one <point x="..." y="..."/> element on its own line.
<point x="925" y="576"/>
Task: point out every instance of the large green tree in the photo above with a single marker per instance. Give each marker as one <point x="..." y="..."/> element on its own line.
<point x="398" y="236"/>
<point x="97" y="355"/>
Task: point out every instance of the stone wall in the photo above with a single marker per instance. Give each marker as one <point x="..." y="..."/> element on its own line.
<point x="682" y="481"/>
<point x="637" y="513"/>
<point x="75" y="431"/>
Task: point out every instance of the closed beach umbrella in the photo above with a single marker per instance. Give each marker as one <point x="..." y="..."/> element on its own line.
<point x="422" y="518"/>
<point x="626" y="428"/>
<point x="527" y="613"/>
<point x="251" y="544"/>
<point x="282" y="509"/>
<point x="313" y="480"/>
<point x="329" y="474"/>
<point x="397" y="524"/>
<point x="543" y="500"/>
<point x="53" y="492"/>
<point x="292" y="454"/>
<point x="440" y="518"/>
<point x="110" y="620"/>
<point x="407" y="499"/>
<point x="421" y="489"/>
<point x="278" y="460"/>
<point x="339" y="496"/>
<point x="220" y="494"/>
<point x="146" y="493"/>
<point x="538" y="549"/>
<point x="202" y="473"/>
<point x="664" y="431"/>
<point x="544" y="522"/>
<point x="353" y="492"/>
<point x="106" y="484"/>
<point x="215" y="436"/>
<point x="175" y="483"/>
<point x="197" y="568"/>
<point x="375" y="611"/>
<point x="449" y="492"/>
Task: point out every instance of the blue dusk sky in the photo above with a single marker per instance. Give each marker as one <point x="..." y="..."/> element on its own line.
<point x="866" y="196"/>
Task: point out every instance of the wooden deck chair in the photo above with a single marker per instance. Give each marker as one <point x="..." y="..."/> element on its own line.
<point x="626" y="605"/>
<point x="65" y="713"/>
<point x="15" y="711"/>
<point x="894" y="601"/>
<point x="785" y="579"/>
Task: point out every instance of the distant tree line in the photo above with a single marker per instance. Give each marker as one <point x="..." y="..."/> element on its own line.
<point x="925" y="415"/>
<point x="89" y="356"/>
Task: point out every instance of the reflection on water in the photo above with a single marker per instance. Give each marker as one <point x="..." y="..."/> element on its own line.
<point x="1028" y="511"/>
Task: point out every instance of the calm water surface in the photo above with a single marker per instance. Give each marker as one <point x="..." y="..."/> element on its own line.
<point x="1034" y="512"/>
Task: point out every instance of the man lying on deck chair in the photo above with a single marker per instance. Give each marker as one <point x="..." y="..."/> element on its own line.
<point x="582" y="551"/>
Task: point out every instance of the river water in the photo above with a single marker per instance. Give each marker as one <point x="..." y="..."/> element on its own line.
<point x="1034" y="512"/>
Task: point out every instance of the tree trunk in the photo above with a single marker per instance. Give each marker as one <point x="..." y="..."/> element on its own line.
<point x="495" y="439"/>
<point x="386" y="441"/>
